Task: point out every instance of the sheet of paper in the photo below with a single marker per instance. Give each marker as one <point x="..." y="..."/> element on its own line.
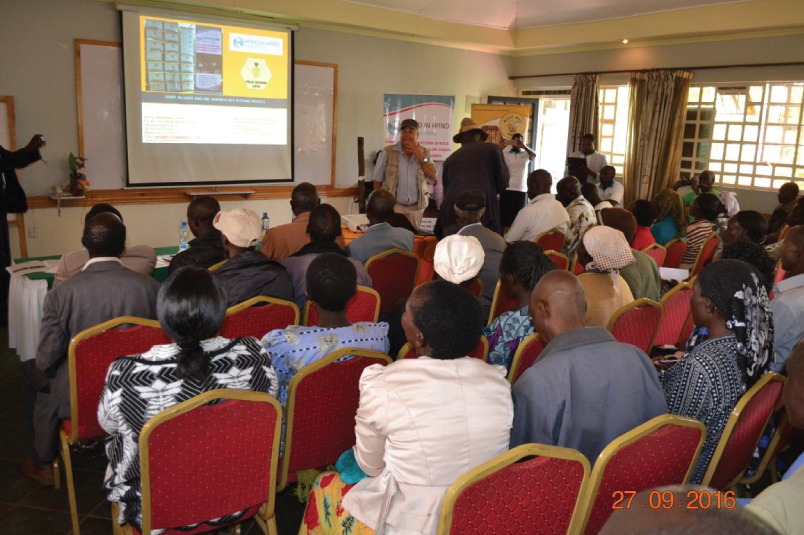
<point x="673" y="274"/>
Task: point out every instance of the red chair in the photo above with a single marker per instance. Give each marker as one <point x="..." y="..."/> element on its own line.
<point x="322" y="402"/>
<point x="657" y="252"/>
<point x="202" y="461"/>
<point x="552" y="240"/>
<point x="481" y="350"/>
<point x="393" y="275"/>
<point x="782" y="438"/>
<point x="637" y="323"/>
<point x="529" y="350"/>
<point x="90" y="354"/>
<point x="675" y="252"/>
<point x="475" y="287"/>
<point x="501" y="303"/>
<point x="706" y="254"/>
<point x="660" y="452"/>
<point x="780" y="273"/>
<point x="742" y="433"/>
<point x="364" y="306"/>
<point x="533" y="488"/>
<point x="676" y="306"/>
<point x="560" y="260"/>
<point x="576" y="267"/>
<point x="250" y="319"/>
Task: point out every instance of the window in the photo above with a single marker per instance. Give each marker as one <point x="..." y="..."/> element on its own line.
<point x="613" y="126"/>
<point x="551" y="138"/>
<point x="750" y="136"/>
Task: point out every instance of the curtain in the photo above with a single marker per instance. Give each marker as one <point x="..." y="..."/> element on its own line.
<point x="656" y="108"/>
<point x="584" y="110"/>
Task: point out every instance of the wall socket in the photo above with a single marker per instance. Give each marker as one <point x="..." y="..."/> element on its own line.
<point x="33" y="232"/>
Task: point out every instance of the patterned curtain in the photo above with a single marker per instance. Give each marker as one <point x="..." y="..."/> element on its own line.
<point x="584" y="110"/>
<point x="656" y="107"/>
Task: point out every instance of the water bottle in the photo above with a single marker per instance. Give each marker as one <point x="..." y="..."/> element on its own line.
<point x="184" y="235"/>
<point x="266" y="223"/>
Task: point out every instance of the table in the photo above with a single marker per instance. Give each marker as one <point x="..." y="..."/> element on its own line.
<point x="26" y="297"/>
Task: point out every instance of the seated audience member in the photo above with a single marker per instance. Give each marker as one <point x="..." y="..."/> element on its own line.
<point x="191" y="307"/>
<point x="754" y="254"/>
<point x="469" y="209"/>
<point x="459" y="259"/>
<point x="140" y="258"/>
<point x="331" y="283"/>
<point x="705" y="210"/>
<point x="206" y="249"/>
<point x="780" y="505"/>
<point x="443" y="409"/>
<point x="609" y="189"/>
<point x="523" y="265"/>
<point x="380" y="236"/>
<point x="589" y="191"/>
<point x="324" y="228"/>
<point x="603" y="253"/>
<point x="787" y="197"/>
<point x="788" y="300"/>
<point x="543" y="212"/>
<point x="102" y="291"/>
<point x="284" y="240"/>
<point x="248" y="273"/>
<point x="642" y="276"/>
<point x="671" y="217"/>
<point x="581" y="213"/>
<point x="705" y="183"/>
<point x="620" y="387"/>
<point x="748" y="224"/>
<point x="795" y="218"/>
<point x="644" y="214"/>
<point x="727" y="353"/>
<point x="729" y="201"/>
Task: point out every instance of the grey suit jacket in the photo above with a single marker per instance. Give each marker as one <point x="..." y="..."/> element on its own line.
<point x="139" y="258"/>
<point x="378" y="239"/>
<point x="493" y="245"/>
<point x="103" y="291"/>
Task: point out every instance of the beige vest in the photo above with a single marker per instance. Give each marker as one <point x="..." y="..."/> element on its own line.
<point x="392" y="175"/>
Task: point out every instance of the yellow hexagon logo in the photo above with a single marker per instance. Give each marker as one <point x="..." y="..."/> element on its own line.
<point x="255" y="73"/>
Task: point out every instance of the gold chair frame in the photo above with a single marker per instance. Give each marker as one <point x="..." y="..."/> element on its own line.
<point x="551" y="231"/>
<point x="216" y="267"/>
<point x="768" y="457"/>
<point x="248" y="303"/>
<point x="551" y="252"/>
<point x="642" y="301"/>
<point x="365" y="289"/>
<point x="671" y="242"/>
<point x="698" y="257"/>
<point x="407" y="347"/>
<point x="656" y="246"/>
<point x="518" y="356"/>
<point x="666" y="297"/>
<point x="392" y="252"/>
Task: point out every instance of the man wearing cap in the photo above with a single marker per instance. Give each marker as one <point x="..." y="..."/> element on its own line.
<point x="469" y="209"/>
<point x="476" y="165"/>
<point x="403" y="170"/>
<point x="248" y="273"/>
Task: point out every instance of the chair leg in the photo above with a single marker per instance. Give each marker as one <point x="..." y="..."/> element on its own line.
<point x="68" y="476"/>
<point x="235" y="530"/>
<point x="56" y="474"/>
<point x="268" y="526"/>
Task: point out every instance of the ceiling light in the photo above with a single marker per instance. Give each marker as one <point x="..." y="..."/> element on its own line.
<point x="625" y="41"/>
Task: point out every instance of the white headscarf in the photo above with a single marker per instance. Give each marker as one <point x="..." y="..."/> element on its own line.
<point x="609" y="250"/>
<point x="458" y="258"/>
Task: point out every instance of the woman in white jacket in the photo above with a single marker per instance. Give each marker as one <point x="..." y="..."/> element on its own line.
<point x="421" y="424"/>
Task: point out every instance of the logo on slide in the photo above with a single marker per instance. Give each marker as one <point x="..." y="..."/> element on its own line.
<point x="240" y="42"/>
<point x="237" y="43"/>
<point x="255" y="73"/>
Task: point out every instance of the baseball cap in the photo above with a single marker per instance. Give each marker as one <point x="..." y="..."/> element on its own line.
<point x="242" y="227"/>
<point x="409" y="123"/>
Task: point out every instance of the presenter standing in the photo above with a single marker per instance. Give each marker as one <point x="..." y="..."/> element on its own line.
<point x="595" y="162"/>
<point x="517" y="157"/>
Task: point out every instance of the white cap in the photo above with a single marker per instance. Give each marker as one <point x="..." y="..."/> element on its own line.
<point x="242" y="227"/>
<point x="458" y="258"/>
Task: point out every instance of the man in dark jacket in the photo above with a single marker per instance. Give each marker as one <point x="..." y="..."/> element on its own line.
<point x="248" y="273"/>
<point x="206" y="249"/>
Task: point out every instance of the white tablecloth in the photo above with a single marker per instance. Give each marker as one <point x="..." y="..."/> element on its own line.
<point x="25" y="300"/>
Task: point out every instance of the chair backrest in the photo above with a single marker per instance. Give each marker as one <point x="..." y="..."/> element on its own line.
<point x="657" y="252"/>
<point x="576" y="267"/>
<point x="783" y="232"/>
<point x="393" y="274"/>
<point x="322" y="403"/>
<point x="529" y="350"/>
<point x="217" y="266"/>
<point x="89" y="356"/>
<point x="559" y="259"/>
<point x="637" y="323"/>
<point x="364" y="306"/>
<point x="258" y="316"/>
<point x="501" y="303"/>
<point x="662" y="451"/>
<point x="476" y="288"/>
<point x="533" y="488"/>
<point x="481" y="350"/>
<point x="202" y="461"/>
<point x="742" y="433"/>
<point x="780" y="273"/>
<point x="552" y="240"/>
<point x="676" y="306"/>
<point x="706" y="254"/>
<point x="675" y="252"/>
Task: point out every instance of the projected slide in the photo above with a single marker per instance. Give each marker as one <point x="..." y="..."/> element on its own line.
<point x="212" y="84"/>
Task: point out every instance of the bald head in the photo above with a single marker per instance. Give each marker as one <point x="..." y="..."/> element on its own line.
<point x="380" y="206"/>
<point x="304" y="198"/>
<point x="569" y="189"/>
<point x="104" y="235"/>
<point x="539" y="183"/>
<point x="200" y="214"/>
<point x="557" y="304"/>
<point x="792" y="256"/>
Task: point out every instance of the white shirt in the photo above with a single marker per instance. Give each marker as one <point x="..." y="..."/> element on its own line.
<point x="594" y="161"/>
<point x="517" y="163"/>
<point x="788" y="319"/>
<point x="542" y="214"/>
<point x="615" y="192"/>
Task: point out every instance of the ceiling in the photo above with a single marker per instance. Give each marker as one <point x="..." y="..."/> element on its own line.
<point x="519" y="14"/>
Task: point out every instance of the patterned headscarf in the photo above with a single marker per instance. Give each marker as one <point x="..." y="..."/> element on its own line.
<point x="736" y="290"/>
<point x="609" y="250"/>
<point x="670" y="202"/>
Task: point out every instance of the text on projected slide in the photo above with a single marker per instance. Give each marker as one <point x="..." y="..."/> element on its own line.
<point x="204" y="83"/>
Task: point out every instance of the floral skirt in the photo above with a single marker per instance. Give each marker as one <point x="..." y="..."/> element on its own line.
<point x="324" y="514"/>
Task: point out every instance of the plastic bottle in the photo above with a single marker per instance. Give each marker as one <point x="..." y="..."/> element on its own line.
<point x="266" y="223"/>
<point x="184" y="235"/>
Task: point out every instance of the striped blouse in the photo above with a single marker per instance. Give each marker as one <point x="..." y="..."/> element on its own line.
<point x="696" y="235"/>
